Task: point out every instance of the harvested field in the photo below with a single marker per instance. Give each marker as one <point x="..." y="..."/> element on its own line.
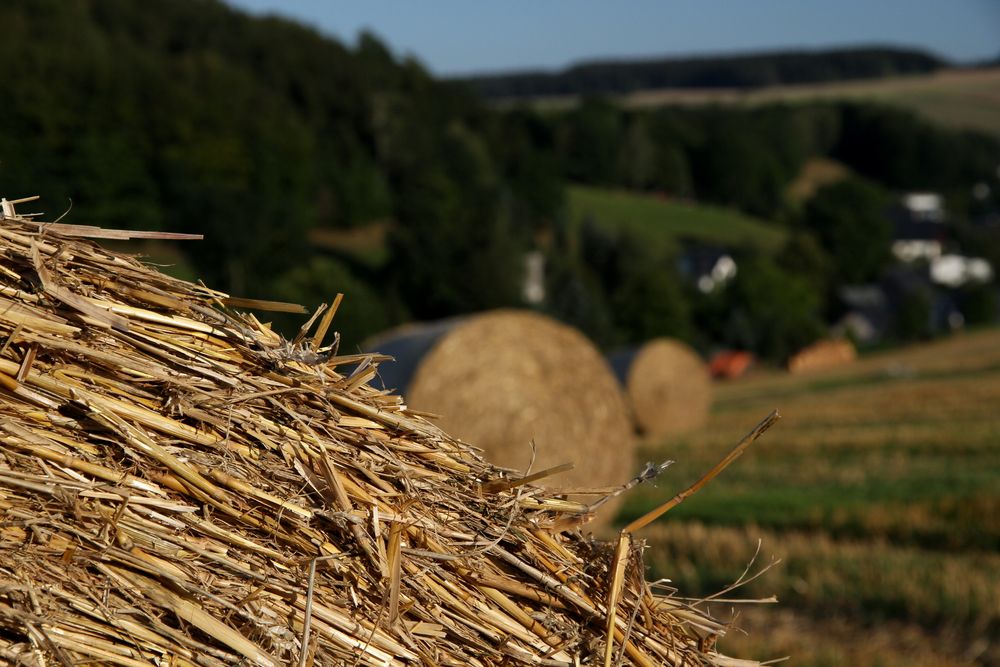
<point x="880" y="493"/>
<point x="179" y="485"/>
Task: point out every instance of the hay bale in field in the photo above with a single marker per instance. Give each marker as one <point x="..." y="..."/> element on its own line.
<point x="667" y="385"/>
<point x="504" y="379"/>
<point x="180" y="485"/>
<point x="823" y="354"/>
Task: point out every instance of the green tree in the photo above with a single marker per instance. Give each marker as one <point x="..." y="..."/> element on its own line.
<point x="802" y="255"/>
<point x="674" y="134"/>
<point x="523" y="145"/>
<point x="673" y="172"/>
<point x="849" y="218"/>
<point x="573" y="294"/>
<point x="361" y="313"/>
<point x="979" y="303"/>
<point x="640" y="284"/>
<point x="765" y="309"/>
<point x="912" y="319"/>
<point x="454" y="249"/>
<point x="590" y="140"/>
<point x="736" y="166"/>
<point x="650" y="303"/>
<point x="637" y="158"/>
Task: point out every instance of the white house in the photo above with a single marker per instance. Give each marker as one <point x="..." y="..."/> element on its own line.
<point x="919" y="228"/>
<point x="707" y="267"/>
<point x="956" y="270"/>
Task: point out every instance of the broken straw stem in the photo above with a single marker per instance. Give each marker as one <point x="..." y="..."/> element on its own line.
<point x="324" y="324"/>
<point x="498" y="485"/>
<point x="307" y="621"/>
<point x="747" y="440"/>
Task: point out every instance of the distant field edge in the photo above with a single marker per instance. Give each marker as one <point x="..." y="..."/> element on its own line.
<point x="967" y="98"/>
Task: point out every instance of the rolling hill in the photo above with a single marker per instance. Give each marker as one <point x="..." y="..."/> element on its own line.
<point x="662" y="221"/>
<point x="964" y="98"/>
<point x="959" y="98"/>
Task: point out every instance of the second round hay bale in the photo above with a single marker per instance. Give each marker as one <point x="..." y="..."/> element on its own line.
<point x="821" y="355"/>
<point x="668" y="386"/>
<point x="504" y="379"/>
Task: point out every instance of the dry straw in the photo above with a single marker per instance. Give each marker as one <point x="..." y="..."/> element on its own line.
<point x="527" y="390"/>
<point x="181" y="486"/>
<point x="668" y="387"/>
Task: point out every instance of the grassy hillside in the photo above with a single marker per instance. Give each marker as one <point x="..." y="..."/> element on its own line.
<point x="880" y="493"/>
<point x="663" y="221"/>
<point x="655" y="220"/>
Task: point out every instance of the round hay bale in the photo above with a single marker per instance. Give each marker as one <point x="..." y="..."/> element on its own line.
<point x="821" y="355"/>
<point x="503" y="379"/>
<point x="667" y="385"/>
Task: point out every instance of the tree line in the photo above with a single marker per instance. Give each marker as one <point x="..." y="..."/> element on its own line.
<point x="757" y="70"/>
<point x="746" y="158"/>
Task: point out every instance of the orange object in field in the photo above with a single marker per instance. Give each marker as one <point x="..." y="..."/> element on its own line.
<point x="730" y="364"/>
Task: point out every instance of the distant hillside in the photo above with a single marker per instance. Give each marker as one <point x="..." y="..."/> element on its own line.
<point x="961" y="98"/>
<point x="664" y="222"/>
<point x="755" y="70"/>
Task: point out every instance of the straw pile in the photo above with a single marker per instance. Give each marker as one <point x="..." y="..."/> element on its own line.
<point x="179" y="485"/>
<point x="667" y="385"/>
<point x="506" y="379"/>
<point x="822" y="354"/>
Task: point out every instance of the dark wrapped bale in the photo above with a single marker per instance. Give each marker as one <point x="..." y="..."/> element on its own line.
<point x="407" y="345"/>
<point x="667" y="384"/>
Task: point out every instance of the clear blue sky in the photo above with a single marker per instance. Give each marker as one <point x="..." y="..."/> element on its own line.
<point x="463" y="36"/>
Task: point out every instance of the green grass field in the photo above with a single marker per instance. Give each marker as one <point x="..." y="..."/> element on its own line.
<point x="663" y="222"/>
<point x="880" y="493"/>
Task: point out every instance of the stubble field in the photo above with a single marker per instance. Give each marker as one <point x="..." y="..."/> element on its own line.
<point x="879" y="492"/>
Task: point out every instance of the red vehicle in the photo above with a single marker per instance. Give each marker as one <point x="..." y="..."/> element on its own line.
<point x="730" y="364"/>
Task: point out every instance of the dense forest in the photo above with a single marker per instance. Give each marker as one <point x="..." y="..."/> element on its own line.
<point x="191" y="116"/>
<point x="736" y="71"/>
<point x="265" y="136"/>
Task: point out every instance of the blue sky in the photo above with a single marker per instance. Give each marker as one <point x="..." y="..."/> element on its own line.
<point x="463" y="36"/>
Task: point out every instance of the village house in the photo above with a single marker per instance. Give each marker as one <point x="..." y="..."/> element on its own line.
<point x="707" y="267"/>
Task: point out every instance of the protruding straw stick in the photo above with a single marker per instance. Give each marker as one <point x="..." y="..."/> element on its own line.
<point x="654" y="514"/>
<point x="622" y="550"/>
